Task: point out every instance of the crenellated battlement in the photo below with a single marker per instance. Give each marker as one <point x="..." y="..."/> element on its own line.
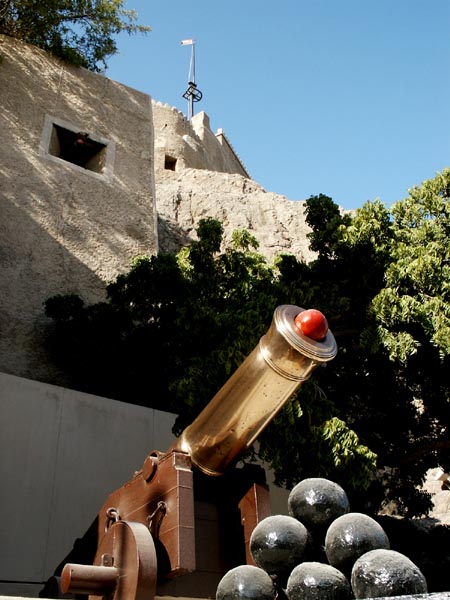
<point x="191" y="144"/>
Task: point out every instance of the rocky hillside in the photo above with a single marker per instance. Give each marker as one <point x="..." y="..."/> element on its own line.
<point x="185" y="197"/>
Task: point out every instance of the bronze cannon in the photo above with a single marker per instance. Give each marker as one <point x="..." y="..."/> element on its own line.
<point x="154" y="531"/>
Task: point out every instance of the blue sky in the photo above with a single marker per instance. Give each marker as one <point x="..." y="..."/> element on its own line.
<point x="349" y="98"/>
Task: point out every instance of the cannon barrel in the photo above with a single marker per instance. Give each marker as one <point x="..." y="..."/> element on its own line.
<point x="255" y="393"/>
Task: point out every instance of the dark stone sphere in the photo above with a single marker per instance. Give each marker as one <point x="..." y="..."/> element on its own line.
<point x="316" y="502"/>
<point x="386" y="573"/>
<point x="317" y="581"/>
<point x="246" y="583"/>
<point x="349" y="537"/>
<point x="277" y="544"/>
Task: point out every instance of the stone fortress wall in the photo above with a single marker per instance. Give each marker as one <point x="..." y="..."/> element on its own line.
<point x="66" y="227"/>
<point x="183" y="198"/>
<point x="71" y="228"/>
<point x="182" y="144"/>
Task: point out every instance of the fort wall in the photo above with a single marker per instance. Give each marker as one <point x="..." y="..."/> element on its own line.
<point x="69" y="222"/>
<point x="183" y="144"/>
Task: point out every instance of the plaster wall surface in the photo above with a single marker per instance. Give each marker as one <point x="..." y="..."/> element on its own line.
<point x="65" y="228"/>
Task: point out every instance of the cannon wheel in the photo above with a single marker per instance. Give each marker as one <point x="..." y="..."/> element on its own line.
<point x="125" y="566"/>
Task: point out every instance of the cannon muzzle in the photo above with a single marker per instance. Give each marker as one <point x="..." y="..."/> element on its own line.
<point x="255" y="393"/>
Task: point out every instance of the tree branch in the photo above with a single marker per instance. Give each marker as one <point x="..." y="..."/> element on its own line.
<point x="4" y="6"/>
<point x="80" y="17"/>
<point x="424" y="449"/>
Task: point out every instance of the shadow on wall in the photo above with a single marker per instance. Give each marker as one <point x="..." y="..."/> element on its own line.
<point x="33" y="267"/>
<point x="66" y="452"/>
<point x="171" y="236"/>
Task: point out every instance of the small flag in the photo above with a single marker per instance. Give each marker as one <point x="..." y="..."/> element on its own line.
<point x="187" y="42"/>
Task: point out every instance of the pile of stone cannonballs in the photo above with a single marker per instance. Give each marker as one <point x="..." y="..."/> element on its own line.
<point x="322" y="551"/>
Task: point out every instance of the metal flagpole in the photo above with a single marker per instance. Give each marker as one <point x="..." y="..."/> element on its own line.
<point x="192" y="66"/>
<point x="192" y="81"/>
<point x="192" y="94"/>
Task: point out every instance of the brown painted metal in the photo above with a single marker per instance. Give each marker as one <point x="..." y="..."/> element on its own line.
<point x="88" y="579"/>
<point x="170" y="483"/>
<point x="255" y="393"/>
<point x="129" y="546"/>
<point x="254" y="507"/>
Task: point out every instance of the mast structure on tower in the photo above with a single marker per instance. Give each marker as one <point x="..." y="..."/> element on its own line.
<point x="192" y="94"/>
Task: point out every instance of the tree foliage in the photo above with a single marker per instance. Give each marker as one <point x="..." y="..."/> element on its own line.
<point x="81" y="32"/>
<point x="324" y="218"/>
<point x="175" y="327"/>
<point x="413" y="308"/>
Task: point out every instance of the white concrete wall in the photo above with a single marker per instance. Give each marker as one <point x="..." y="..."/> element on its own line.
<point x="61" y="453"/>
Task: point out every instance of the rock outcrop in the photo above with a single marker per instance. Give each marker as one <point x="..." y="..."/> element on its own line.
<point x="185" y="197"/>
<point x="198" y="174"/>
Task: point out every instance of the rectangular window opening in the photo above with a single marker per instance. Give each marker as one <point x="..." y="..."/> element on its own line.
<point x="170" y="163"/>
<point x="77" y="148"/>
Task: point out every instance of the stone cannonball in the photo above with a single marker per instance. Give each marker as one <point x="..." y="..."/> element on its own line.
<point x="316" y="502"/>
<point x="278" y="543"/>
<point x="317" y="581"/>
<point x="349" y="537"/>
<point x="245" y="583"/>
<point x="386" y="573"/>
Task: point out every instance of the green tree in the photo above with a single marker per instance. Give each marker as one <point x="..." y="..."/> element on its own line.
<point x="175" y="328"/>
<point x="413" y="308"/>
<point x="411" y="314"/>
<point x="81" y="32"/>
<point x="368" y="267"/>
<point x="324" y="218"/>
<point x="408" y="324"/>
